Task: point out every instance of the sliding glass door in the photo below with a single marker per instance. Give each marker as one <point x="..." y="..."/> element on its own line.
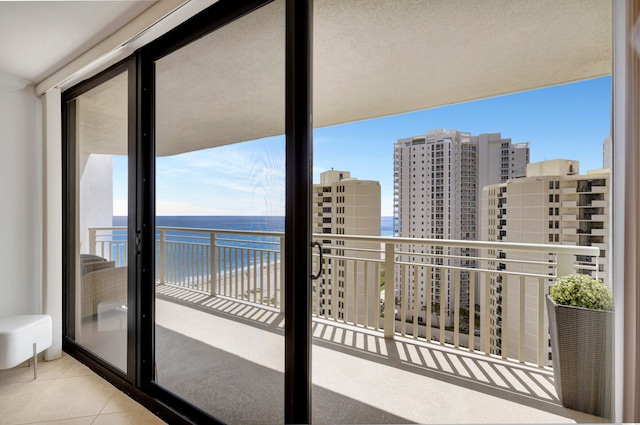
<point x="219" y="224"/>
<point x="187" y="175"/>
<point x="98" y="128"/>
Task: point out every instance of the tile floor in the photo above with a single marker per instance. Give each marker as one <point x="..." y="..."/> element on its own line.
<point x="65" y="393"/>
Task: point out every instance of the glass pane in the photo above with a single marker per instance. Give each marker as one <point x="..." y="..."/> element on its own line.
<point x="220" y="169"/>
<point x="101" y="169"/>
<point x="494" y="199"/>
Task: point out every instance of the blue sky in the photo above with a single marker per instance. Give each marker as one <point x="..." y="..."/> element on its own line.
<point x="568" y="121"/>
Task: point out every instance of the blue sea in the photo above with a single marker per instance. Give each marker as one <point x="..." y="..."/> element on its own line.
<point x="255" y="223"/>
<point x="235" y="243"/>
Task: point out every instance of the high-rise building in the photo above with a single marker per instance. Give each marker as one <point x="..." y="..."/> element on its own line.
<point x="438" y="179"/>
<point x="553" y="204"/>
<point x="343" y="205"/>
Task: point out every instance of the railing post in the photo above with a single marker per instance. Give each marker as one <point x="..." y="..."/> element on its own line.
<point x="456" y="308"/>
<point x="92" y="241"/>
<point x="282" y="259"/>
<point x="485" y="288"/>
<point x="163" y="257"/>
<point x="389" y="290"/>
<point x="564" y="264"/>
<point x="213" y="264"/>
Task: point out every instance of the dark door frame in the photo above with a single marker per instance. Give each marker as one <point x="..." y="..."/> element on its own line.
<point x="139" y="380"/>
<point x="69" y="179"/>
<point x="299" y="180"/>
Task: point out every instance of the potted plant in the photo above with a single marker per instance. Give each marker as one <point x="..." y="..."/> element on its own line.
<point x="580" y="327"/>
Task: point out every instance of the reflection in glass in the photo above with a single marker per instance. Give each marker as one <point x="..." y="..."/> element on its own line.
<point x="101" y="272"/>
<point x="220" y="170"/>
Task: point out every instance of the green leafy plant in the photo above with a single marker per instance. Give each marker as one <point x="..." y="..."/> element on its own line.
<point x="581" y="290"/>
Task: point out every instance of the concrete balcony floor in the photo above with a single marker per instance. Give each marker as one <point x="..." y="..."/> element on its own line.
<point x="227" y="357"/>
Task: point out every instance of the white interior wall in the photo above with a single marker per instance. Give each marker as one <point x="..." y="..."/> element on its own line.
<point x="96" y="195"/>
<point x="52" y="217"/>
<point x="20" y="202"/>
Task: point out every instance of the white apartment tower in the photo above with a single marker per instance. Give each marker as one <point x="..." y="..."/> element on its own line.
<point x="348" y="288"/>
<point x="553" y="204"/>
<point x="438" y="180"/>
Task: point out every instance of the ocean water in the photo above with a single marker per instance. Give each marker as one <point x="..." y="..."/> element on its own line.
<point x="237" y="248"/>
<point x="256" y="223"/>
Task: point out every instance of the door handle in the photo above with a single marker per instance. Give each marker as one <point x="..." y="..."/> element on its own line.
<point x="138" y="241"/>
<point x="316" y="276"/>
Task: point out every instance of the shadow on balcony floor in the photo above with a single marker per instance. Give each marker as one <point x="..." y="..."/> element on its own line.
<point x="239" y="391"/>
<point x="488" y="377"/>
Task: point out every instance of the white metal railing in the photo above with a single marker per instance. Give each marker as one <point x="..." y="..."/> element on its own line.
<point x="237" y="264"/>
<point x="486" y="297"/>
<point x="110" y="243"/>
<point x="437" y="286"/>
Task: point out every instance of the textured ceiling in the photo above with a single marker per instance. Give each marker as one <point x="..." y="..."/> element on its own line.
<point x="102" y="118"/>
<point x="374" y="58"/>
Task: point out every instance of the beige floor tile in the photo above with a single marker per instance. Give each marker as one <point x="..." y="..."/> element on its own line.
<point x="138" y="417"/>
<point x="18" y="399"/>
<point x="120" y="403"/>
<point x="46" y="370"/>
<point x="87" y="420"/>
<point x="77" y="369"/>
<point x="20" y="373"/>
<point x="63" y="398"/>
<point x="65" y="393"/>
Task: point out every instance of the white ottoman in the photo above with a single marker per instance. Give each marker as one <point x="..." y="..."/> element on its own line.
<point x="22" y="338"/>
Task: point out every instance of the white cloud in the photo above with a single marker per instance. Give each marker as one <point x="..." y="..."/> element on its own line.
<point x="120" y="207"/>
<point x="386" y="205"/>
<point x="241" y="179"/>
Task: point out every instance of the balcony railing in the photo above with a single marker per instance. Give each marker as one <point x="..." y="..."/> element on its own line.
<point x="236" y="264"/>
<point x="431" y="290"/>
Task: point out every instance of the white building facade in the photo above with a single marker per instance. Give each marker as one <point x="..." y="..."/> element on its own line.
<point x="347" y="206"/>
<point x="554" y="204"/>
<point x="438" y="179"/>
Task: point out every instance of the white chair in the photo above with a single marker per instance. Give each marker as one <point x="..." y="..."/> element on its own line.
<point x="23" y="338"/>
